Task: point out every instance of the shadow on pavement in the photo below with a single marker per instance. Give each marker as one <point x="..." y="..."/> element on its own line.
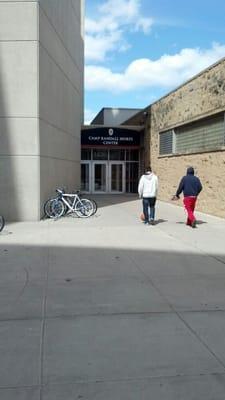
<point x="108" y="200"/>
<point x="160" y="221"/>
<point x="115" y="323"/>
<point x="198" y="222"/>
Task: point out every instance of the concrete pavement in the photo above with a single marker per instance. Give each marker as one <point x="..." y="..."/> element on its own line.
<point x="108" y="308"/>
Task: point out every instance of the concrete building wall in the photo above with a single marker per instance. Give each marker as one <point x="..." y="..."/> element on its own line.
<point x="202" y="96"/>
<point x="19" y="142"/>
<point x="41" y="102"/>
<point x="60" y="95"/>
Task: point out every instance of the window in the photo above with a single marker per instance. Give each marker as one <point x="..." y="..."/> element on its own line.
<point x="200" y="136"/>
<point x="132" y="172"/>
<point x="86" y="154"/>
<point x="166" y="143"/>
<point x="132" y="155"/>
<point x="116" y="155"/>
<point x="203" y="135"/>
<point x="100" y="154"/>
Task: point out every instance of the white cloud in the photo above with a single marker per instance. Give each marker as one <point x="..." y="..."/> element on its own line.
<point x="97" y="46"/>
<point x="144" y="24"/>
<point x="166" y="72"/>
<point x="107" y="32"/>
<point x="127" y="10"/>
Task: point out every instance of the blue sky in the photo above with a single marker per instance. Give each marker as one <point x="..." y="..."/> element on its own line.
<point x="138" y="50"/>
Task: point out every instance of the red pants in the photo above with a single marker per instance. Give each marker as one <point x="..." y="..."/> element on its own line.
<point x="189" y="204"/>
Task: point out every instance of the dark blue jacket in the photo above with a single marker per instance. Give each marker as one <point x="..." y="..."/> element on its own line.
<point x="190" y="185"/>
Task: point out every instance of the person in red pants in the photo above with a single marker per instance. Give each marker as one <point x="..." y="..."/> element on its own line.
<point x="191" y="186"/>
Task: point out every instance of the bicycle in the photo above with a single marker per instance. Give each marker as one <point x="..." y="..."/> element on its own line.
<point x="48" y="204"/>
<point x="2" y="222"/>
<point x="95" y="205"/>
<point x="68" y="202"/>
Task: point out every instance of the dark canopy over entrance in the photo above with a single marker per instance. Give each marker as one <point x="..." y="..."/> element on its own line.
<point x="106" y="136"/>
<point x="110" y="159"/>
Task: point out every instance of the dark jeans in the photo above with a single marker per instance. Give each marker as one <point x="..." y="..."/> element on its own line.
<point x="149" y="202"/>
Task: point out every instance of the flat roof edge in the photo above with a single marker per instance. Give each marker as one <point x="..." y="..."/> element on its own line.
<point x="220" y="61"/>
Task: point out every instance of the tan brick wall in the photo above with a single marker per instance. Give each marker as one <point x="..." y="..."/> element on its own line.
<point x="202" y="96"/>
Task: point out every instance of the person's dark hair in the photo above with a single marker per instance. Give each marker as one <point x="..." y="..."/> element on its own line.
<point x="148" y="169"/>
<point x="190" y="171"/>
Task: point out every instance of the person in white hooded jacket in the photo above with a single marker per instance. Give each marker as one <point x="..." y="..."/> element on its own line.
<point x="147" y="190"/>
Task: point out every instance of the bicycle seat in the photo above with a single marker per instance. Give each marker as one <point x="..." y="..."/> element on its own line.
<point x="61" y="191"/>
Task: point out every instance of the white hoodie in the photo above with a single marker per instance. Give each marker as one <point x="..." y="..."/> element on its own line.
<point x="148" y="185"/>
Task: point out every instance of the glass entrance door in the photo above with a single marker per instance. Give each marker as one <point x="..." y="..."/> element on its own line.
<point x="108" y="177"/>
<point x="85" y="176"/>
<point x="99" y="177"/>
<point x="116" y="177"/>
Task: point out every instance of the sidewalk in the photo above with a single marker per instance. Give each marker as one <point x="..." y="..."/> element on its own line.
<point x="109" y="308"/>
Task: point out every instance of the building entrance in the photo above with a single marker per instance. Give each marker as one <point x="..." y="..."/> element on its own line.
<point x="103" y="177"/>
<point x="101" y="173"/>
<point x="110" y="159"/>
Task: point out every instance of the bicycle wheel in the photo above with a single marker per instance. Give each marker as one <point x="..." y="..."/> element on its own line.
<point x="2" y="223"/>
<point x="48" y="212"/>
<point x="47" y="208"/>
<point x="95" y="206"/>
<point x="84" y="208"/>
<point x="57" y="208"/>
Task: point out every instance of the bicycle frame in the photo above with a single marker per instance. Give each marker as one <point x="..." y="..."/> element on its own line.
<point x="75" y="200"/>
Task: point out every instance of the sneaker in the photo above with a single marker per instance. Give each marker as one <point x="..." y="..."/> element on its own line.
<point x="193" y="224"/>
<point x="152" y="222"/>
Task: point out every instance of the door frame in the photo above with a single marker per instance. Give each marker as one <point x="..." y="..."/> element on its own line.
<point x="93" y="177"/>
<point x="110" y="176"/>
<point x="108" y="166"/>
<point x="90" y="175"/>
